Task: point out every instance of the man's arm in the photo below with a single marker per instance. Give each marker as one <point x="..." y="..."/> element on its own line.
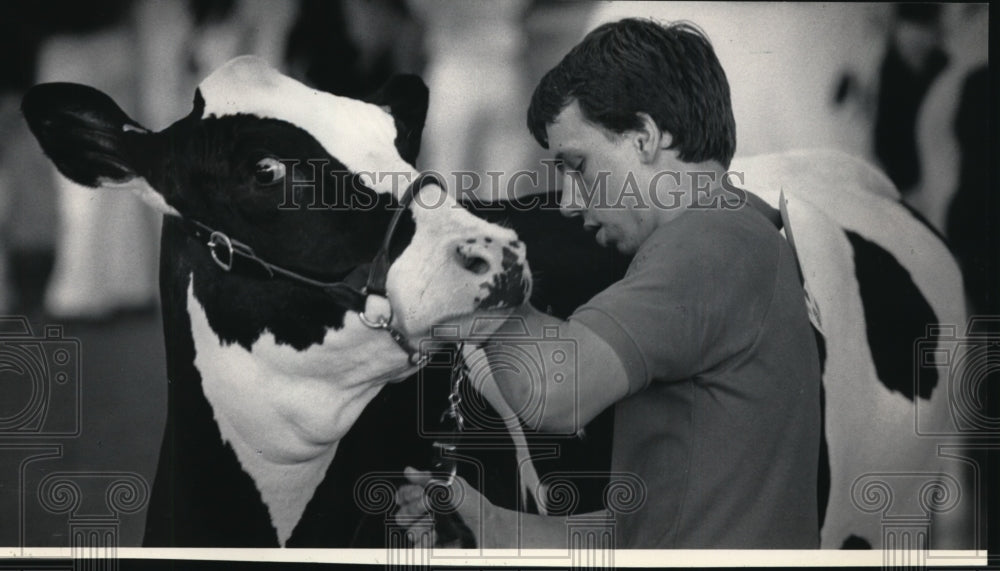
<point x="593" y="380"/>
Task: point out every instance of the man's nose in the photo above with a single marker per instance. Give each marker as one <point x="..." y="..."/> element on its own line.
<point x="568" y="206"/>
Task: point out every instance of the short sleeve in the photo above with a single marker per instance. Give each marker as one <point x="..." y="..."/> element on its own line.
<point x="694" y="296"/>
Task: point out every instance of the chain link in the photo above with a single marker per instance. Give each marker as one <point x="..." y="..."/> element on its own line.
<point x="446" y="465"/>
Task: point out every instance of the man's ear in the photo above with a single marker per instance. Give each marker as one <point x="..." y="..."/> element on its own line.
<point x="88" y="137"/>
<point x="648" y="139"/>
<point x="405" y="97"/>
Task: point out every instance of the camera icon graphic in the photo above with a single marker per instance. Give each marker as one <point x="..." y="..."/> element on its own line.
<point x="969" y="367"/>
<point x="543" y="357"/>
<point x="40" y="381"/>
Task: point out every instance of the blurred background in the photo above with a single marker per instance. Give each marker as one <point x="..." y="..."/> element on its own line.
<point x="904" y="85"/>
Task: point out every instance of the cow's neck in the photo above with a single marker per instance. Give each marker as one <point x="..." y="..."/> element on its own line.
<point x="284" y="410"/>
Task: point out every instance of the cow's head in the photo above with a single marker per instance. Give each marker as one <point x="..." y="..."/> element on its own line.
<point x="232" y="164"/>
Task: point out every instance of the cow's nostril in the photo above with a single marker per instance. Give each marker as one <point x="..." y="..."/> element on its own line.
<point x="473" y="263"/>
<point x="477" y="265"/>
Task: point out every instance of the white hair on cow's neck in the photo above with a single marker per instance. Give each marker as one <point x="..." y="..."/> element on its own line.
<point x="358" y="134"/>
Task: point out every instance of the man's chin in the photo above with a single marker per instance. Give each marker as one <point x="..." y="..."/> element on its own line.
<point x="606" y="241"/>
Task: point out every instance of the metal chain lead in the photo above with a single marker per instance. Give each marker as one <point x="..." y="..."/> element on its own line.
<point x="459" y="372"/>
<point x="446" y="465"/>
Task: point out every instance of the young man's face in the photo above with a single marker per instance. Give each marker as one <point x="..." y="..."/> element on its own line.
<point x="605" y="182"/>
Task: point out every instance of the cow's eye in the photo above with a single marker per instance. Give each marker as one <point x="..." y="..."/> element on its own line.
<point x="269" y="171"/>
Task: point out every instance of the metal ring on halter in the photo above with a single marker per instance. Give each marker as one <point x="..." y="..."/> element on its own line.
<point x="379" y="304"/>
<point x="216" y="239"/>
<point x="381" y="323"/>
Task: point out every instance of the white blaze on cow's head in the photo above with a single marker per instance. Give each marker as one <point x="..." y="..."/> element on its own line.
<point x="307" y="179"/>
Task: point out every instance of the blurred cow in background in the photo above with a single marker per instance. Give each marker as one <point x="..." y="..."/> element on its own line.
<point x="884" y="293"/>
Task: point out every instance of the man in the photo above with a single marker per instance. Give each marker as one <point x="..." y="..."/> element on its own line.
<point x="704" y="348"/>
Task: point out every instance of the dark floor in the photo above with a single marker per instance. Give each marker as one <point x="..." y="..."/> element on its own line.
<point x="98" y="464"/>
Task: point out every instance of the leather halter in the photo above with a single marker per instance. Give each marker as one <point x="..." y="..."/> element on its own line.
<point x="369" y="300"/>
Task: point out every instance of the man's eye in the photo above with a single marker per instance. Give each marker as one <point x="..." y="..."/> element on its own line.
<point x="269" y="171"/>
<point x="580" y="166"/>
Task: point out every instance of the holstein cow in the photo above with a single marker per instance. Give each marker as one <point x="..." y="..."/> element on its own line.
<point x="269" y="362"/>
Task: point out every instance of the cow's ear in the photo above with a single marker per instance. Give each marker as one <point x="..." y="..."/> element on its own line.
<point x="88" y="137"/>
<point x="406" y="98"/>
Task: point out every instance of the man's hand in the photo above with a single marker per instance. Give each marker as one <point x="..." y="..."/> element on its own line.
<point x="416" y="499"/>
<point x="494" y="527"/>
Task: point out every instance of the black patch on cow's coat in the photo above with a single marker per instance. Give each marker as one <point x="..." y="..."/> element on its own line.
<point x="509" y="286"/>
<point x="855" y="542"/>
<point x="896" y="316"/>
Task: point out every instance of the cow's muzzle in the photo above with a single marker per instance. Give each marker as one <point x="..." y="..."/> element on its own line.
<point x="506" y="279"/>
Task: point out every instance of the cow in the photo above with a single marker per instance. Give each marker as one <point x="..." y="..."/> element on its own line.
<point x="286" y="312"/>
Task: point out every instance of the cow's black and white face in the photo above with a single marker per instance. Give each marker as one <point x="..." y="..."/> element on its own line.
<point x="307" y="179"/>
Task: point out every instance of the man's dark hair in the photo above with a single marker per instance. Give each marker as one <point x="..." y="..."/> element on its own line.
<point x="636" y="65"/>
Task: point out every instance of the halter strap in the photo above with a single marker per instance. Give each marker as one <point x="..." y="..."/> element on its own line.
<point x="233" y="256"/>
<point x="379" y="271"/>
<point x="348" y="292"/>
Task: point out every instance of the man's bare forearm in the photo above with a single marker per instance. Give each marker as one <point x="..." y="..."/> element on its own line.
<point x="576" y="377"/>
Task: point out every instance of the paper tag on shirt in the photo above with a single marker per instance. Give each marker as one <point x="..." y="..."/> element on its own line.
<point x="812" y="308"/>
